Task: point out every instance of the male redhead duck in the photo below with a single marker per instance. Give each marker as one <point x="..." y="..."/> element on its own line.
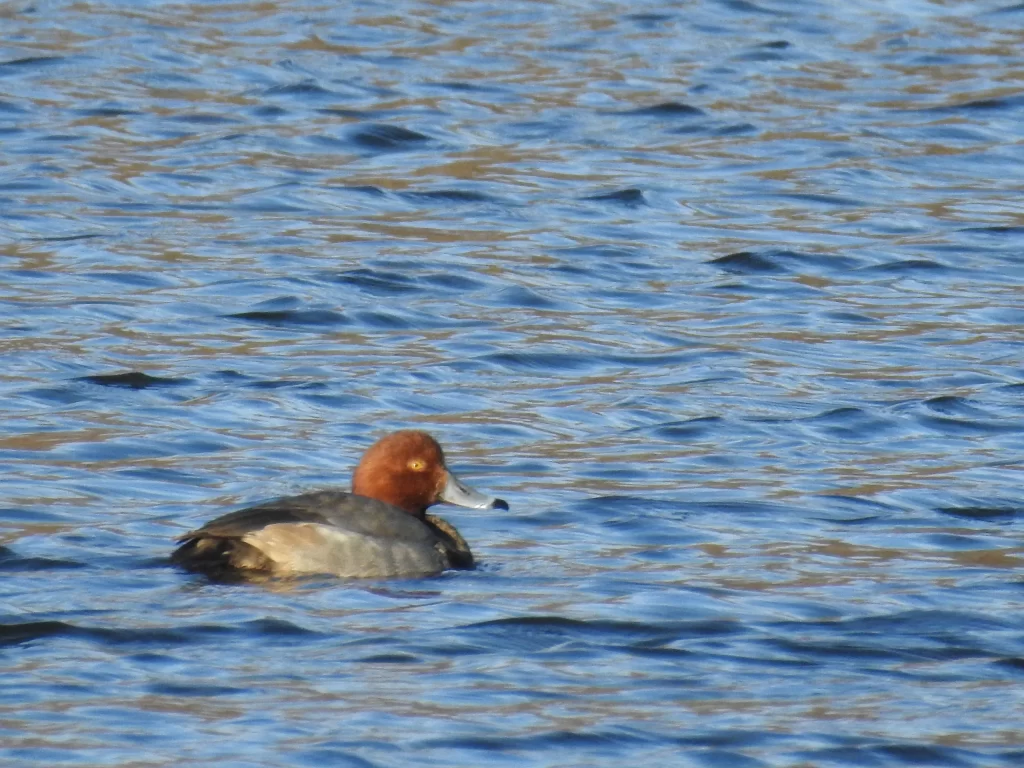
<point x="381" y="529"/>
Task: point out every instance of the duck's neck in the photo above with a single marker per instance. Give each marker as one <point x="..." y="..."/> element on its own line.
<point x="458" y="550"/>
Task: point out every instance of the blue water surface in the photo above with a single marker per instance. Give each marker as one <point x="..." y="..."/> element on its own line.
<point x="723" y="297"/>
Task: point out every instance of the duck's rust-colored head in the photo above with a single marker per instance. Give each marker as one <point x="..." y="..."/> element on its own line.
<point x="407" y="469"/>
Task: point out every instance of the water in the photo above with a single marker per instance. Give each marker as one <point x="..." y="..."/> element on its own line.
<point x="722" y="297"/>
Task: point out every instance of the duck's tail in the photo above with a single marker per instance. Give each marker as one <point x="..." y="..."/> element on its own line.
<point x="224" y="558"/>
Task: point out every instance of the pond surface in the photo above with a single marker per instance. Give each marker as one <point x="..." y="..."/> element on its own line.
<point x="723" y="297"/>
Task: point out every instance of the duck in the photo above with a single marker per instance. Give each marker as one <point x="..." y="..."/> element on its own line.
<point x="380" y="529"/>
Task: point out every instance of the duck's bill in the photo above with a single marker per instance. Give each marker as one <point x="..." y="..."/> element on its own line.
<point x="457" y="492"/>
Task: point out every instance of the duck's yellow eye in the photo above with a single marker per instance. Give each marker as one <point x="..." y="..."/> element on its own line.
<point x="417" y="465"/>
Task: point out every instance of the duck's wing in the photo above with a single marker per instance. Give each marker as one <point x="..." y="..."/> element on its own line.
<point x="358" y="514"/>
